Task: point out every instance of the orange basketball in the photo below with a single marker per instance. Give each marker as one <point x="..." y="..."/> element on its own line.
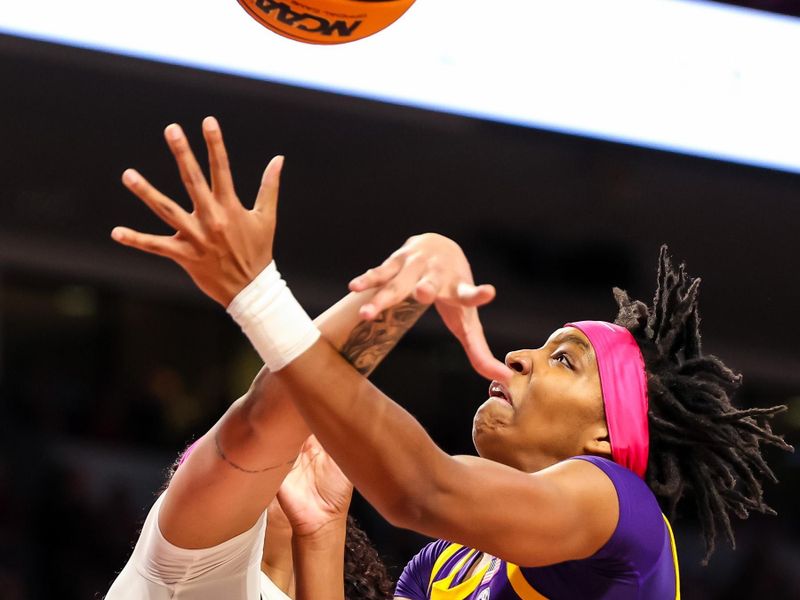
<point x="326" y="21"/>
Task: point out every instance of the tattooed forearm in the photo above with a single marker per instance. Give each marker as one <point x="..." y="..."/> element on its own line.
<point x="371" y="341"/>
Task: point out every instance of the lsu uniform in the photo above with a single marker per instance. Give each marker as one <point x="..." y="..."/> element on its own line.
<point x="639" y="561"/>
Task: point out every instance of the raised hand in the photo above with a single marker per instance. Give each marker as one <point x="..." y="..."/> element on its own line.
<point x="433" y="268"/>
<point x="221" y="244"/>
<point x="315" y="493"/>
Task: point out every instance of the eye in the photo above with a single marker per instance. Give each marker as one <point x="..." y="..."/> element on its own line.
<point x="563" y="359"/>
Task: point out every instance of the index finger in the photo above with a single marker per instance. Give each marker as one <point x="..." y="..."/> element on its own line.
<point x="482" y="359"/>
<point x="480" y="356"/>
<point x="191" y="174"/>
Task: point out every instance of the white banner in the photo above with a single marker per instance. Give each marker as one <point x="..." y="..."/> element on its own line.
<point x="688" y="76"/>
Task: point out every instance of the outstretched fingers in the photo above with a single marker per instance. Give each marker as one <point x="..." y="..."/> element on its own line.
<point x="166" y="209"/>
<point x="162" y="245"/>
<point x="221" y="178"/>
<point x="191" y="174"/>
<point x="267" y="198"/>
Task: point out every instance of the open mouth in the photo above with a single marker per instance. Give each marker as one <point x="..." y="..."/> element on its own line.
<point x="498" y="390"/>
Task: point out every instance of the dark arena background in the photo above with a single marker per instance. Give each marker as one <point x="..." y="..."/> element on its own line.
<point x="111" y="361"/>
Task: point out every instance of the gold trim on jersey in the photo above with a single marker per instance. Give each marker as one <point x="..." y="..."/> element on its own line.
<point x="520" y="585"/>
<point x="674" y="548"/>
<point x="441" y="590"/>
<point x="440" y="560"/>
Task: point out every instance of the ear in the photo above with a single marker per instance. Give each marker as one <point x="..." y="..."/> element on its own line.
<point x="598" y="443"/>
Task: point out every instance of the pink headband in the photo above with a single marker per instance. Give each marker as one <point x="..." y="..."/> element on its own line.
<point x="624" y="386"/>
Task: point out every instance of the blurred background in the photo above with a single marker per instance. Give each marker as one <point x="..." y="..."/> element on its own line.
<point x="112" y="362"/>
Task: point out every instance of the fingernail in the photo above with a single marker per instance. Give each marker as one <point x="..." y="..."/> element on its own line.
<point x="173" y="132"/>
<point x="116" y="234"/>
<point x="275" y="164"/>
<point x="129" y="177"/>
<point x="211" y="123"/>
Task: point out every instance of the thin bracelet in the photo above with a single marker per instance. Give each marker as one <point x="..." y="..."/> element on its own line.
<point x="238" y="468"/>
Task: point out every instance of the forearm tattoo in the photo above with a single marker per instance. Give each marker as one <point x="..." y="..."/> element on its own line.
<point x="371" y="341"/>
<point x="367" y="346"/>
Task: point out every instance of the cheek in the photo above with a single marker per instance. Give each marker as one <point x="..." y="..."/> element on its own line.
<point x="552" y="411"/>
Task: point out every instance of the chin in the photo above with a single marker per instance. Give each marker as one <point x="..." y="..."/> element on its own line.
<point x="490" y="445"/>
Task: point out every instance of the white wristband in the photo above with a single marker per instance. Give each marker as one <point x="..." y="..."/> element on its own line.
<point x="274" y="322"/>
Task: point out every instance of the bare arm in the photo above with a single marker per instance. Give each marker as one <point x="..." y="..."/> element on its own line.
<point x="236" y="468"/>
<point x="243" y="459"/>
<point x="276" y="561"/>
<point x="562" y="513"/>
<point x="315" y="498"/>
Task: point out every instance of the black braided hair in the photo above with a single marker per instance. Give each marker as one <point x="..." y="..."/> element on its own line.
<point x="365" y="575"/>
<point x="701" y="446"/>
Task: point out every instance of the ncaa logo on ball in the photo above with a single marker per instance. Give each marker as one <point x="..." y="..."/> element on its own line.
<point x="326" y="21"/>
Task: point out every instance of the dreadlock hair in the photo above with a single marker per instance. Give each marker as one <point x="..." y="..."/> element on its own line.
<point x="701" y="446"/>
<point x="365" y="575"/>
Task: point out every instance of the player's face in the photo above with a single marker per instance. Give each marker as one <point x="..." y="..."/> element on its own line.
<point x="550" y="409"/>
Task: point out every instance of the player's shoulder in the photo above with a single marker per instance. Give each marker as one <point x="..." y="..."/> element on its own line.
<point x="641" y="528"/>
<point x="625" y="481"/>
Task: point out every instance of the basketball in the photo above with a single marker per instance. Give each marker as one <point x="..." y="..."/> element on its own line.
<point x="326" y="21"/>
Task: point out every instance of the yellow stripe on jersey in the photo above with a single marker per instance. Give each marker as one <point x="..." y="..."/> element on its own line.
<point x="442" y="558"/>
<point x="674" y="560"/>
<point x="520" y="585"/>
<point x="441" y="590"/>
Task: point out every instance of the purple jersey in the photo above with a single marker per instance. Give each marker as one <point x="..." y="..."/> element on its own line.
<point x="639" y="561"/>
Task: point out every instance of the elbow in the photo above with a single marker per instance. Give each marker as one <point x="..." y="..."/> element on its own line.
<point x="420" y="503"/>
<point x="402" y="512"/>
<point x="412" y="510"/>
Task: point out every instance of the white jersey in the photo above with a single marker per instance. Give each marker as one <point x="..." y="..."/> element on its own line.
<point x="158" y="570"/>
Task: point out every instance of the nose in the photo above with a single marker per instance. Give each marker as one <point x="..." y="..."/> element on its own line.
<point x="518" y="362"/>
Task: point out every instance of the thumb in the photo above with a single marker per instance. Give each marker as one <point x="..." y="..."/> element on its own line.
<point x="267" y="198"/>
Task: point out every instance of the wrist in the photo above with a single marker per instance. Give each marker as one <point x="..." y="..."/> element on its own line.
<point x="319" y="562"/>
<point x="322" y="538"/>
<point x="273" y="320"/>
